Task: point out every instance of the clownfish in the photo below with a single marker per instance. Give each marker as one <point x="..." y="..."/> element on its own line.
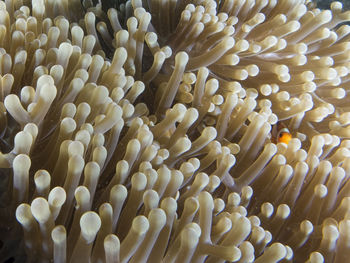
<point x="280" y="133"/>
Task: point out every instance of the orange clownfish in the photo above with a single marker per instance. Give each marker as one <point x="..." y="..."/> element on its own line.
<point x="280" y="133"/>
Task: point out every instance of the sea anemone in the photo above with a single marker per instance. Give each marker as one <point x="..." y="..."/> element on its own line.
<point x="141" y="131"/>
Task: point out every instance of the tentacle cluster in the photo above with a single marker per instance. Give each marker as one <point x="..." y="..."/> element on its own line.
<point x="140" y="131"/>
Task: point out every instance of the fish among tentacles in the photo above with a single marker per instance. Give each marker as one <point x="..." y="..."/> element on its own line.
<point x="280" y="133"/>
